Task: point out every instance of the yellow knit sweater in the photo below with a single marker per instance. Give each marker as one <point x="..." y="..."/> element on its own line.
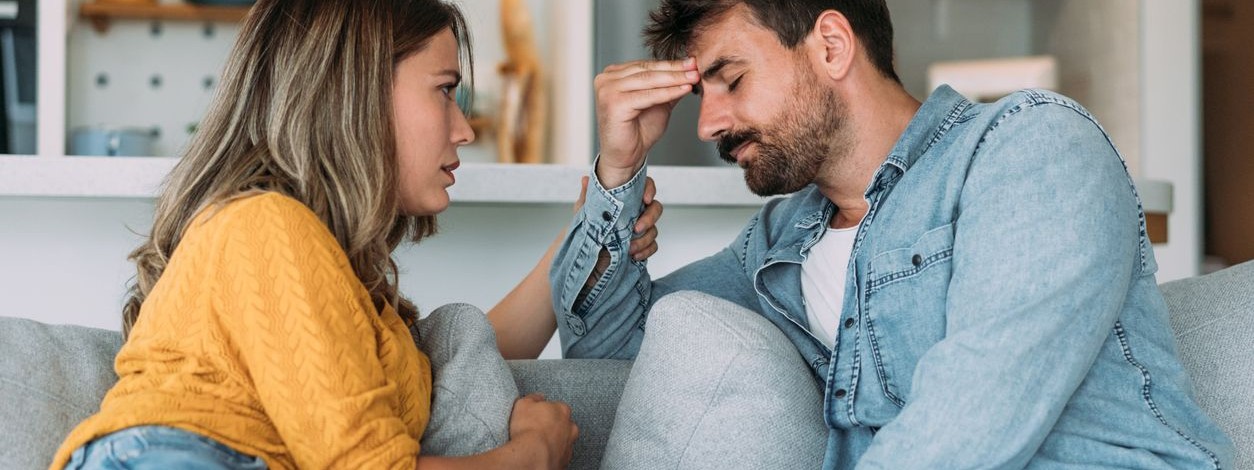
<point x="259" y="335"/>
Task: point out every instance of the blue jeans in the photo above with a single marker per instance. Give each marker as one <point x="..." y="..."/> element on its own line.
<point x="159" y="447"/>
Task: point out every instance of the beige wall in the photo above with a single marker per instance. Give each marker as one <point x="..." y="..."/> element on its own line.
<point x="1097" y="45"/>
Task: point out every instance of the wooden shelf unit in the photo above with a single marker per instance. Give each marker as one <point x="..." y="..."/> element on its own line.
<point x="101" y="13"/>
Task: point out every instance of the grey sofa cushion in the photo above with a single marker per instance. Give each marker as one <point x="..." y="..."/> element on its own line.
<point x="717" y="386"/>
<point x="51" y="377"/>
<point x="472" y="393"/>
<point x="1213" y="317"/>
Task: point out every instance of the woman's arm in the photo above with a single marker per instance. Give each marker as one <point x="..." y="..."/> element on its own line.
<point x="524" y="319"/>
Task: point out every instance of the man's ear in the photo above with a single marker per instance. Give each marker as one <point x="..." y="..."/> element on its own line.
<point x="833" y="44"/>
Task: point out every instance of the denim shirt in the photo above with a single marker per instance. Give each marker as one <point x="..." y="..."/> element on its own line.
<point x="1001" y="308"/>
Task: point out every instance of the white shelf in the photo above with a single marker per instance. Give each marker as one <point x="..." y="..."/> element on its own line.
<point x="140" y="177"/>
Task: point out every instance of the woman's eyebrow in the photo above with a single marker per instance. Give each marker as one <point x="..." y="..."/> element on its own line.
<point x="451" y="73"/>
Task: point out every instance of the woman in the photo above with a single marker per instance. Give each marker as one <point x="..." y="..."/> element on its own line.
<point x="265" y="328"/>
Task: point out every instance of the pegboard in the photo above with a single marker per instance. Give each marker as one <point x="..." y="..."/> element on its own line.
<point x="143" y="73"/>
<point x="129" y="55"/>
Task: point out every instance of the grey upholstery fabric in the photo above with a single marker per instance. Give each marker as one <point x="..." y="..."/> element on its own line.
<point x="472" y="392"/>
<point x="51" y="377"/>
<point x="592" y="388"/>
<point x="716" y="386"/>
<point x="1213" y="318"/>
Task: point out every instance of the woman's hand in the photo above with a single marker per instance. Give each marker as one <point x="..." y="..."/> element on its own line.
<point x="524" y="320"/>
<point x="541" y="436"/>
<point x="644" y="240"/>
<point x="544" y="429"/>
<point x="644" y="233"/>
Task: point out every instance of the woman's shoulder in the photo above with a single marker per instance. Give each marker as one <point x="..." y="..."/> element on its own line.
<point x="257" y="211"/>
<point x="258" y="217"/>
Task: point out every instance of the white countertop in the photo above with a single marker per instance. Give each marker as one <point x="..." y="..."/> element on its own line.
<point x="140" y="177"/>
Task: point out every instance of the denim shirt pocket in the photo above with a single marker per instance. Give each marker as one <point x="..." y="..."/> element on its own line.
<point x="905" y="306"/>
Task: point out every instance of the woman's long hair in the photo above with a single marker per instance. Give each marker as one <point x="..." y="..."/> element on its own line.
<point x="305" y="109"/>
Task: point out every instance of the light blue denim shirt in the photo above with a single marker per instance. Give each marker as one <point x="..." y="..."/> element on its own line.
<point x="1001" y="309"/>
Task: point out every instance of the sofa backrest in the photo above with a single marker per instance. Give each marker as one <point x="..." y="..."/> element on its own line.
<point x="51" y="378"/>
<point x="1213" y="318"/>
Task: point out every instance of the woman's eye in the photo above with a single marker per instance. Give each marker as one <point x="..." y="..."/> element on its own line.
<point x="735" y="84"/>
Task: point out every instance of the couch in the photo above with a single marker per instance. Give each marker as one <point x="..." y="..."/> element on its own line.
<point x="54" y="376"/>
<point x="51" y="377"/>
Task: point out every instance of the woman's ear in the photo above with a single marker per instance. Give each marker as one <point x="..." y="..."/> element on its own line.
<point x="834" y="44"/>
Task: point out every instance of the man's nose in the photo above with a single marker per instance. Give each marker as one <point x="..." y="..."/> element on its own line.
<point x="714" y="119"/>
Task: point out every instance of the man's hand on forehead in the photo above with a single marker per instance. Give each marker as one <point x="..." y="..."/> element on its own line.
<point x="634" y="101"/>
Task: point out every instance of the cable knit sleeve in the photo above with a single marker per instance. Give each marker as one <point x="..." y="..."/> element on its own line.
<point x="309" y="338"/>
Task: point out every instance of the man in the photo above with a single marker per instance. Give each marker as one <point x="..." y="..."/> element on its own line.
<point x="970" y="285"/>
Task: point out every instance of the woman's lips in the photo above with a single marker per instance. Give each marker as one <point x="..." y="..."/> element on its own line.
<point x="448" y="170"/>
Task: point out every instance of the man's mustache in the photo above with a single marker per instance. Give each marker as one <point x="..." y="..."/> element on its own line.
<point x="733" y="141"/>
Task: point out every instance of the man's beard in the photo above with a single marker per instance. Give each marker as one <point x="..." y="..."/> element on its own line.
<point x="790" y="155"/>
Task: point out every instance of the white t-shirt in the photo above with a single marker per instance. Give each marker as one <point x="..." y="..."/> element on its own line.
<point x="823" y="281"/>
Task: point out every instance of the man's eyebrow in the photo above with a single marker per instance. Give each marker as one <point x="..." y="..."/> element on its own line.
<point x="717" y="66"/>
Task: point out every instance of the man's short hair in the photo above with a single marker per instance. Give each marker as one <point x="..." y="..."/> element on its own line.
<point x="673" y="24"/>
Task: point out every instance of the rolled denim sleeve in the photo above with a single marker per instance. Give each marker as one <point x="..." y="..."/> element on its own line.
<point x="608" y="321"/>
<point x="1045" y="248"/>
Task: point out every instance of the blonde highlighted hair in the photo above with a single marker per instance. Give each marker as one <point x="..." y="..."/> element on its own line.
<point x="304" y="109"/>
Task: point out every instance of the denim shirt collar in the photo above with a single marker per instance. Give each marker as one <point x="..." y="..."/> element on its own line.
<point x="930" y="123"/>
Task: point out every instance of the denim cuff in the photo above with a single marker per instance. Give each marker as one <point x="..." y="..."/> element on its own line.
<point x="611" y="213"/>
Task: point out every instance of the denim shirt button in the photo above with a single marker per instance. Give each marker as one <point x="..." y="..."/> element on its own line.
<point x="840" y="394"/>
<point x="916" y="260"/>
<point x="849" y="322"/>
<point x="576" y="324"/>
<point x="606" y="216"/>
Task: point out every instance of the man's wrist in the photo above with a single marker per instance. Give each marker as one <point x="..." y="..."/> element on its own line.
<point x="612" y="177"/>
<point x="611" y="210"/>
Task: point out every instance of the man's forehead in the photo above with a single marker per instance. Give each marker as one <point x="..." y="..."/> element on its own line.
<point x="733" y="34"/>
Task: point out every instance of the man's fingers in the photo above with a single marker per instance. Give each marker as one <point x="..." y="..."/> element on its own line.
<point x="653" y="79"/>
<point x="636" y="102"/>
<point x="631" y="68"/>
<point x="650" y="190"/>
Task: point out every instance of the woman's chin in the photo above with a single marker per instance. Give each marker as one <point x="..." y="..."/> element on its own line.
<point x="432" y="206"/>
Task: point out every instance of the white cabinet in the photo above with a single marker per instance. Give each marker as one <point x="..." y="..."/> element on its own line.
<point x="95" y="91"/>
<point x="1141" y="85"/>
